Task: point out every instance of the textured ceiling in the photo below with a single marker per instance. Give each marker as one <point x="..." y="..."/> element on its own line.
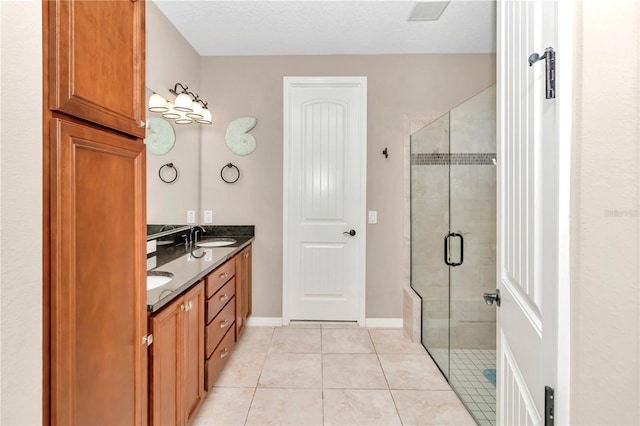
<point x="302" y="27"/>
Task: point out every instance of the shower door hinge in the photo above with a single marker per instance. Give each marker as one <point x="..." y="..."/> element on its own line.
<point x="549" y="406"/>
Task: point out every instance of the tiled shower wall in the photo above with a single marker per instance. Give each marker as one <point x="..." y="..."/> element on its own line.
<point x="453" y="186"/>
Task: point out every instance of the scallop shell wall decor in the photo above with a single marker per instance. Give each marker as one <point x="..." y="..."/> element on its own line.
<point x="238" y="140"/>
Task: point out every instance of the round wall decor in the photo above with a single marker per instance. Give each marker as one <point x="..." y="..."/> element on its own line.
<point x="238" y="140"/>
<point x="160" y="136"/>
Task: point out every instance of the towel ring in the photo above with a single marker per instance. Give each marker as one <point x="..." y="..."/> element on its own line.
<point x="230" y="166"/>
<point x="175" y="171"/>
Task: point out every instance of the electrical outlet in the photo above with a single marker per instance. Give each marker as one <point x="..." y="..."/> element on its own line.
<point x="373" y="216"/>
<point x="191" y="216"/>
<point x="208" y="216"/>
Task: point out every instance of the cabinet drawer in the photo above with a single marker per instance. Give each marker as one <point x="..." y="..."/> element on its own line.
<point x="216" y="362"/>
<point x="218" y="300"/>
<point x="219" y="326"/>
<point x="221" y="275"/>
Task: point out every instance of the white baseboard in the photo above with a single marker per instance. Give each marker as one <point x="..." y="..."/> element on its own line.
<point x="264" y="321"/>
<point x="369" y="322"/>
<point x="384" y="322"/>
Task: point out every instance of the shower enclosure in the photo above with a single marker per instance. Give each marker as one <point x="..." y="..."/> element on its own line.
<point x="453" y="229"/>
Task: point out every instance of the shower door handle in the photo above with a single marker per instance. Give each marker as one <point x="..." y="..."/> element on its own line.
<point x="446" y="249"/>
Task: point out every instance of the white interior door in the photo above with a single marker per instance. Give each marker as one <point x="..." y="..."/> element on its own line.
<point x="325" y="122"/>
<point x="527" y="213"/>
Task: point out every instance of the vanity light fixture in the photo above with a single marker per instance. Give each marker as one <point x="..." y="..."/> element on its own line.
<point x="185" y="109"/>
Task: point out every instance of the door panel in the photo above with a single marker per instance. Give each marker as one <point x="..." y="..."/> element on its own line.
<point x="325" y="160"/>
<point x="194" y="350"/>
<point x="166" y="400"/>
<point x="89" y="83"/>
<point x="98" y="361"/>
<point x="528" y="235"/>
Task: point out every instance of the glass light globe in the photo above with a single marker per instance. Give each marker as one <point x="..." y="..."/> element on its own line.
<point x="183" y="103"/>
<point x="206" y="117"/>
<point x="197" y="111"/>
<point x="171" y="112"/>
<point x="157" y="103"/>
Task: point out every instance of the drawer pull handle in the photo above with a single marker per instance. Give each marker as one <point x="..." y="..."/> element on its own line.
<point x="224" y="323"/>
<point x="224" y="298"/>
<point x="224" y="275"/>
<point x="224" y="353"/>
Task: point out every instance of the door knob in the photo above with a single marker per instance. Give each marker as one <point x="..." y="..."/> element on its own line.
<point x="351" y="232"/>
<point x="489" y="298"/>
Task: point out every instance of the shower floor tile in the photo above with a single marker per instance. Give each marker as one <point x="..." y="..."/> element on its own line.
<point x="473" y="387"/>
<point x="466" y="377"/>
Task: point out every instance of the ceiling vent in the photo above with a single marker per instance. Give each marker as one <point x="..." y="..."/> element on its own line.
<point x="428" y="10"/>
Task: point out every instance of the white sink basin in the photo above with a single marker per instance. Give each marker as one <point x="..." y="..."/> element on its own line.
<point x="158" y="278"/>
<point x="220" y="242"/>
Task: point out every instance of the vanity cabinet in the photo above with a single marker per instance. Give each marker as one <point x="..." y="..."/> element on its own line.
<point x="177" y="359"/>
<point x="97" y="63"/>
<point x="221" y="318"/>
<point x="243" y="288"/>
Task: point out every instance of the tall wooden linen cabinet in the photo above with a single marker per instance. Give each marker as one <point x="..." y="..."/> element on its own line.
<point x="95" y="322"/>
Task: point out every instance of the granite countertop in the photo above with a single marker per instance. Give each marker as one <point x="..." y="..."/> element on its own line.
<point x="188" y="266"/>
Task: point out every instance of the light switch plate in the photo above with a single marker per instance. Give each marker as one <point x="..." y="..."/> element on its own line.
<point x="373" y="216"/>
<point x="208" y="216"/>
<point x="191" y="216"/>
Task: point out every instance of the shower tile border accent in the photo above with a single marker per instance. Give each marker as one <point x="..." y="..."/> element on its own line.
<point x="455" y="159"/>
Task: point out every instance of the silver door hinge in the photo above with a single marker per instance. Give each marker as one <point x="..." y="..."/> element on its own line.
<point x="147" y="340"/>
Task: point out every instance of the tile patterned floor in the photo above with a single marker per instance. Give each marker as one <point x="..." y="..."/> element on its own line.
<point x="330" y="374"/>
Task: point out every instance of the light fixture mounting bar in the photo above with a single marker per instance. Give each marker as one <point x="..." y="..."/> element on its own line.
<point x="185" y="89"/>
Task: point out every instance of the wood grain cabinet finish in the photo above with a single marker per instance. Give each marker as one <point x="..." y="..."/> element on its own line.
<point x="177" y="359"/>
<point x="243" y="288"/>
<point x="219" y="326"/>
<point x="97" y="302"/>
<point x="220" y="276"/>
<point x="220" y="299"/>
<point x="193" y="383"/>
<point x="165" y="402"/>
<point x="94" y="227"/>
<point x="97" y="62"/>
<point x="219" y="358"/>
<point x="221" y="315"/>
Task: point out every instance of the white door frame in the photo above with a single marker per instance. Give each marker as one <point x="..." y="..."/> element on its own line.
<point x="361" y="225"/>
<point x="564" y="83"/>
<point x="565" y="26"/>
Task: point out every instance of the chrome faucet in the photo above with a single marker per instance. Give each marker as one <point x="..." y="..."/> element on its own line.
<point x="194" y="233"/>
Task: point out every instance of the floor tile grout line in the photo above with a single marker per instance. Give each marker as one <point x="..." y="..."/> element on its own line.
<point x="386" y="379"/>
<point x="246" y="419"/>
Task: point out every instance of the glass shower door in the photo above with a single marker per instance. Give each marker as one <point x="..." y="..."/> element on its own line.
<point x="472" y="214"/>
<point x="429" y="225"/>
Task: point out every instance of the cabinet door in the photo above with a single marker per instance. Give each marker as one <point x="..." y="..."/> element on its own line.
<point x="97" y="62"/>
<point x="193" y="355"/>
<point x="166" y="365"/>
<point x="243" y="288"/>
<point x="247" y="283"/>
<point x="98" y="290"/>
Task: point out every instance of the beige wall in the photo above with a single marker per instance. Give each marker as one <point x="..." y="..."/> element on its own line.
<point x="170" y="59"/>
<point x="21" y="213"/>
<point x="604" y="219"/>
<point x="397" y="85"/>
